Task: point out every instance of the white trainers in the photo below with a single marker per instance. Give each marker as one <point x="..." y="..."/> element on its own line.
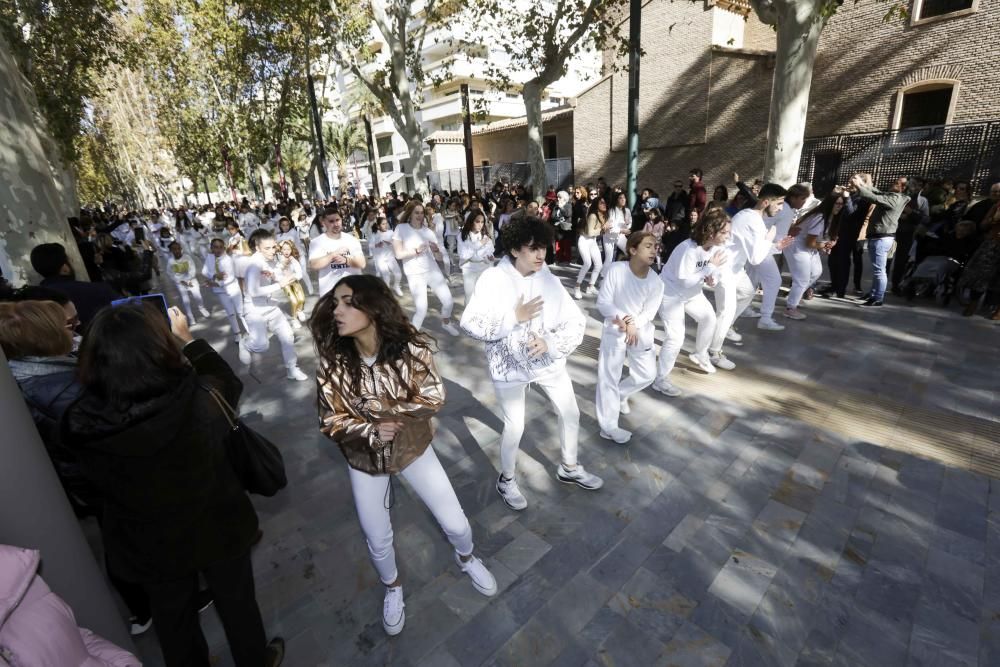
<point x="398" y="290"/>
<point x="625" y="408"/>
<point x="579" y="476"/>
<point x="577" y="294"/>
<point x="393" y="616"/>
<point x="451" y="329"/>
<point x="768" y="324"/>
<point x="720" y="360"/>
<point x="205" y="312"/>
<point x="511" y="494"/>
<point x="295" y="373"/>
<point x="592" y="289"/>
<point x="619" y="435"/>
<point x="245" y="357"/>
<point x="751" y="313"/>
<point x="482" y="579"/>
<point x="794" y="314"/>
<point x="667" y="388"/>
<point x="702" y="362"/>
<point x="733" y="336"/>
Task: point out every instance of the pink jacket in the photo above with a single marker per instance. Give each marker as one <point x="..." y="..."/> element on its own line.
<point x="37" y="629"/>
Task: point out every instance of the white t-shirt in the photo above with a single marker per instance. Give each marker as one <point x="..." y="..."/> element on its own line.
<point x="624" y="293"/>
<point x="347" y="245"/>
<point x="749" y="240"/>
<point x="783" y="221"/>
<point x="686" y="270"/>
<point x="411" y="239"/>
<point x="385" y="251"/>
<point x="813" y="225"/>
<point x="242" y="263"/>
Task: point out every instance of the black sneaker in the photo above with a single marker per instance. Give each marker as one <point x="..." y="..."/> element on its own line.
<point x="204" y="599"/>
<point x="871" y="303"/>
<point x="275" y="652"/>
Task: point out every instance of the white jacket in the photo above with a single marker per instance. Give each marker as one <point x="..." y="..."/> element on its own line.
<point x="490" y="317"/>
<point x="474" y="255"/>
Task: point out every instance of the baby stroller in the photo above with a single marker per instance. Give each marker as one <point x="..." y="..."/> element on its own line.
<point x="936" y="263"/>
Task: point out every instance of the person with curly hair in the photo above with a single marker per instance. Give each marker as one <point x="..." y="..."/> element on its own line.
<point x="378" y="390"/>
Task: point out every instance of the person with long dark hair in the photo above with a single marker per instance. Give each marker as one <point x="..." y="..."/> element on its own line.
<point x="475" y="251"/>
<point x="378" y="389"/>
<point x="803" y="255"/>
<point x="587" y="245"/>
<point x="150" y="436"/>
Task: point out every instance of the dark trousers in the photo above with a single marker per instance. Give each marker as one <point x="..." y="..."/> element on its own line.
<point x="840" y="266"/>
<point x="175" y="615"/>
<point x="904" y="241"/>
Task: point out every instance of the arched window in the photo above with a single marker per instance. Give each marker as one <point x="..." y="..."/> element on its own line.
<point x="925" y="103"/>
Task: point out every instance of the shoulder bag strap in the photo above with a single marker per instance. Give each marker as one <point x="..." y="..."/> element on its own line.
<point x="226" y="409"/>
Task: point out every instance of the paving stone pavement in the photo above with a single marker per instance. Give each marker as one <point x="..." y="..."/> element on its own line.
<point x="736" y="528"/>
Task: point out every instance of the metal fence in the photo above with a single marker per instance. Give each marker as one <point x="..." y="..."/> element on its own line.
<point x="558" y="172"/>
<point x="968" y="151"/>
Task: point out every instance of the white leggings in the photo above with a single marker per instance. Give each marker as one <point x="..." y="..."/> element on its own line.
<point x="232" y="303"/>
<point x="418" y="289"/>
<point x="426" y="476"/>
<point x="732" y="296"/>
<point x="590" y="255"/>
<point x="469" y="279"/>
<point x="189" y="293"/>
<point x="611" y="389"/>
<point x="387" y="269"/>
<point x="806" y="268"/>
<point x="767" y="275"/>
<point x="672" y="311"/>
<point x="610" y="243"/>
<point x="259" y="320"/>
<point x="445" y="256"/>
<point x="559" y="388"/>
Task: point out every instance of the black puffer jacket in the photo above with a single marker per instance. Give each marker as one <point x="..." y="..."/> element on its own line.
<point x="173" y="504"/>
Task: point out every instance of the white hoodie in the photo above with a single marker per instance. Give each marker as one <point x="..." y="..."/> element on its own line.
<point x="490" y="317"/>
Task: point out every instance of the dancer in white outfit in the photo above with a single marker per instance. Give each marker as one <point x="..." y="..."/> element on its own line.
<point x="530" y="326"/>
<point x="803" y="254"/>
<point x="438" y="225"/>
<point x="219" y="272"/>
<point x="693" y="263"/>
<point x="629" y="299"/>
<point x="378" y="389"/>
<point x="586" y="243"/>
<point x="453" y="225"/>
<point x="616" y="230"/>
<point x="184" y="273"/>
<point x="475" y="252"/>
<point x="289" y="232"/>
<point x="415" y="245"/>
<point x="753" y="241"/>
<point x="334" y="253"/>
<point x="380" y="244"/>
<point x="262" y="312"/>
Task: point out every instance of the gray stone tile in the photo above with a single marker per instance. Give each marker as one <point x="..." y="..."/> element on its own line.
<point x="652" y="606"/>
<point x="953" y="584"/>
<point x="679" y="536"/>
<point x="693" y="647"/>
<point x="940" y="638"/>
<point x="743" y="581"/>
<point x="523" y="552"/>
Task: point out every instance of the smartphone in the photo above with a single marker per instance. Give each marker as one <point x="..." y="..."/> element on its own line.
<point x="140" y="235"/>
<point x="157" y="300"/>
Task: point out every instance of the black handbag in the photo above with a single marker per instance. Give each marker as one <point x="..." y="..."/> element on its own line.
<point x="255" y="459"/>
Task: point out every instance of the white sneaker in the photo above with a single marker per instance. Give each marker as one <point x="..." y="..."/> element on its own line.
<point x="398" y="290"/>
<point x="667" y="388"/>
<point x="511" y="494"/>
<point x="579" y="476"/>
<point x="768" y="324"/>
<point x="625" y="408"/>
<point x="720" y="360"/>
<point x="295" y="373"/>
<point x="302" y="316"/>
<point x="794" y="314"/>
<point x="296" y="324"/>
<point x="205" y="312"/>
<point x="733" y="336"/>
<point x="619" y="435"/>
<point x="702" y="362"/>
<point x="393" y="616"/>
<point x="482" y="580"/>
<point x="245" y="357"/>
<point x="451" y="329"/>
<point x="751" y="313"/>
<point x="592" y="289"/>
<point x="577" y="294"/>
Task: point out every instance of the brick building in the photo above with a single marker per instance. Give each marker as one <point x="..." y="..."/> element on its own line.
<point x="706" y="82"/>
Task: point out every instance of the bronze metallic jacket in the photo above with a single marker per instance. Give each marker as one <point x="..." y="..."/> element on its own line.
<point x="351" y="419"/>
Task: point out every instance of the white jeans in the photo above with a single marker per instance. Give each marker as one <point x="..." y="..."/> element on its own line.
<point x="559" y="388"/>
<point x="672" y="311"/>
<point x="732" y="296"/>
<point x="806" y="268"/>
<point x="259" y="321"/>
<point x="387" y="269"/>
<point x="611" y="389"/>
<point x="610" y="243"/>
<point x="767" y="275"/>
<point x="305" y="272"/>
<point x="590" y="255"/>
<point x="418" y="289"/>
<point x="189" y="293"/>
<point x="426" y="476"/>
<point x="469" y="278"/>
<point x="232" y="303"/>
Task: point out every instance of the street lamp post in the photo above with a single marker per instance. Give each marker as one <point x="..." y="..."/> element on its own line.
<point x="634" y="56"/>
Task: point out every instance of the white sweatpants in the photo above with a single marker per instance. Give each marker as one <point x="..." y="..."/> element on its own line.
<point x="259" y="321"/>
<point x="767" y="275"/>
<point x="305" y="272"/>
<point x="590" y="255"/>
<point x="388" y="270"/>
<point x="469" y="278"/>
<point x="445" y="256"/>
<point x="187" y="295"/>
<point x="610" y="243"/>
<point x="418" y="289"/>
<point x="672" y="311"/>
<point x="451" y="243"/>
<point x="732" y="296"/>
<point x="611" y="389"/>
<point x="559" y="388"/>
<point x="806" y="268"/>
<point x="428" y="479"/>
<point x="232" y="303"/>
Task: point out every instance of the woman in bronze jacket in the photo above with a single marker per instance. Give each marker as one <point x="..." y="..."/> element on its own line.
<point x="378" y="388"/>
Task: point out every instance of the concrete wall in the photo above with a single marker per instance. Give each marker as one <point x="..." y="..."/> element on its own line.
<point x="36" y="193"/>
<point x="512" y="145"/>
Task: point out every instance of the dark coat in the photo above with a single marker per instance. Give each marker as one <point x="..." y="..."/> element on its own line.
<point x="87" y="297"/>
<point x="173" y="504"/>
